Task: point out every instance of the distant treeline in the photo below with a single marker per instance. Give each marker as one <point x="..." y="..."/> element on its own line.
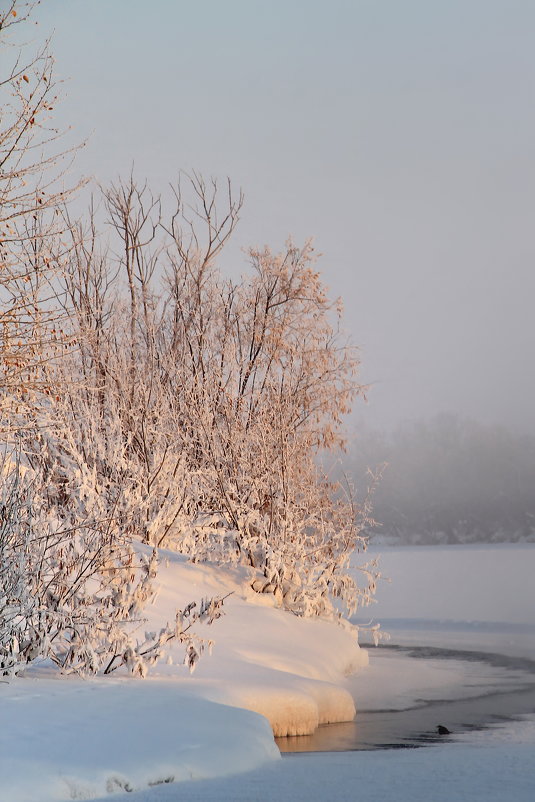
<point x="449" y="480"/>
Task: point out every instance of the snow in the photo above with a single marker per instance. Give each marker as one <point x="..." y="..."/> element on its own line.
<point x="454" y="773"/>
<point x="70" y="740"/>
<point x="289" y="669"/>
<point x="66" y="739"/>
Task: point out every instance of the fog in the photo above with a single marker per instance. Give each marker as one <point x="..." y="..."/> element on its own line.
<point x="448" y="480"/>
<point x="400" y="135"/>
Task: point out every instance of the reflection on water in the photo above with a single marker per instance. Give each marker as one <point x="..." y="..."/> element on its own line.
<point x="506" y="690"/>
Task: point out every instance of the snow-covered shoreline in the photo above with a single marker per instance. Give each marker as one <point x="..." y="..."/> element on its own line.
<point x="289" y="669"/>
<point x="270" y="672"/>
<point x="67" y="738"/>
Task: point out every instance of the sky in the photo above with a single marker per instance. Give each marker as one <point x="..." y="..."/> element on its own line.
<point x="400" y="135"/>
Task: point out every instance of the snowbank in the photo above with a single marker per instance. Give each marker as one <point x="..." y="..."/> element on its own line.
<point x="288" y="669"/>
<point x="65" y="738"/>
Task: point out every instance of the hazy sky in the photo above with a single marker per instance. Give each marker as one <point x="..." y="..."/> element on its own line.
<point x="400" y="134"/>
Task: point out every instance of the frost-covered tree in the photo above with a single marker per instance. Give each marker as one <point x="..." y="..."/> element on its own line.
<point x="72" y="585"/>
<point x="186" y="410"/>
<point x="200" y="405"/>
<point x="33" y="191"/>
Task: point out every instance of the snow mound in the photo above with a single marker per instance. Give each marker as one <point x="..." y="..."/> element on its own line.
<point x="289" y="669"/>
<point x="294" y="708"/>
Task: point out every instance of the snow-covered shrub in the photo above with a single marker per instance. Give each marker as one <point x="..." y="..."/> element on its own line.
<point x="75" y="593"/>
<point x="71" y="583"/>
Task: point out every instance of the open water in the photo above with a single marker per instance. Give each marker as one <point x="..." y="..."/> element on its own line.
<point x="510" y="695"/>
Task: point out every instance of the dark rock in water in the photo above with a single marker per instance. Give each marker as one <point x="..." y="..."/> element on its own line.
<point x="443" y="730"/>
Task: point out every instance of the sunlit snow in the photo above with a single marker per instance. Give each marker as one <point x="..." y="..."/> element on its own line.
<point x="67" y="739"/>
